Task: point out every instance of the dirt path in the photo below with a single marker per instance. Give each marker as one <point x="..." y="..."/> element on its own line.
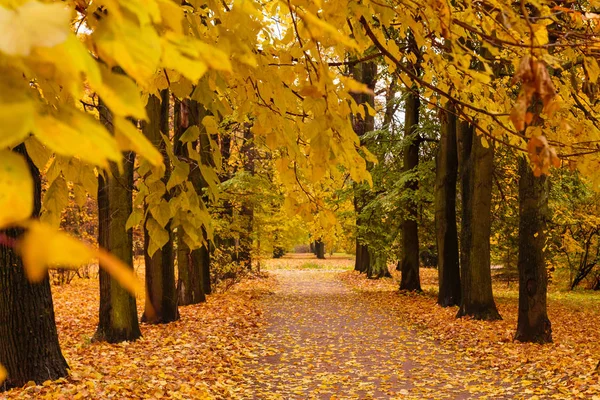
<point x="323" y="340"/>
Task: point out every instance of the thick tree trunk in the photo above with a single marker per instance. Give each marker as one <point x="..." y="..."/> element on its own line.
<point x="477" y="299"/>
<point x="361" y="262"/>
<point x="445" y="213"/>
<point x="190" y="268"/>
<point x="29" y="348"/>
<point x="533" y="324"/>
<point x="189" y="283"/>
<point x="118" y="320"/>
<point x="378" y="268"/>
<point x="320" y="249"/>
<point x="161" y="296"/>
<point x="409" y="264"/>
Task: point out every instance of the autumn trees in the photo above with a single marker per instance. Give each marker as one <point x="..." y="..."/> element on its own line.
<point x="84" y="76"/>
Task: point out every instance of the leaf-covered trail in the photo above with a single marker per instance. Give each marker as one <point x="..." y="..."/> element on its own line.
<point x="324" y="340"/>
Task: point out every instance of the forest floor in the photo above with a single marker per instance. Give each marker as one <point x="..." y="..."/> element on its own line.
<point x="316" y="329"/>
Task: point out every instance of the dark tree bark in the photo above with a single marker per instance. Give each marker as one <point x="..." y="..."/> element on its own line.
<point x="311" y="247"/>
<point x="161" y="295"/>
<point x="445" y="212"/>
<point x="191" y="288"/>
<point x="365" y="73"/>
<point x="477" y="163"/>
<point x="361" y="262"/>
<point x="320" y="249"/>
<point x="533" y="324"/>
<point x="118" y="320"/>
<point x="409" y="264"/>
<point x="29" y="348"/>
<point x="248" y="151"/>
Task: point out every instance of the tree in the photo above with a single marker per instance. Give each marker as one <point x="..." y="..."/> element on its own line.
<point x="477" y="299"/>
<point x="320" y="249"/>
<point x="362" y="123"/>
<point x="161" y="295"/>
<point x="29" y="349"/>
<point x="190" y="263"/>
<point x="409" y="265"/>
<point x="533" y="324"/>
<point x="445" y="211"/>
<point x="118" y="321"/>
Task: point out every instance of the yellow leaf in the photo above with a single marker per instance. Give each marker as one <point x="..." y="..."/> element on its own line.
<point x="135" y="48"/>
<point x="130" y="138"/>
<point x="16" y="112"/>
<point x="210" y="123"/>
<point x="320" y="27"/>
<point x="120" y="272"/>
<point x="42" y="246"/>
<point x="121" y="95"/>
<point x="77" y="134"/>
<point x="485" y="143"/>
<point x="33" y="24"/>
<point x="172" y="15"/>
<point x="3" y="373"/>
<point x="591" y="67"/>
<point x="16" y="189"/>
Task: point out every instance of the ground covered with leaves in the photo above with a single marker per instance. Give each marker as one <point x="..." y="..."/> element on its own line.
<point x="197" y="357"/>
<point x="310" y="328"/>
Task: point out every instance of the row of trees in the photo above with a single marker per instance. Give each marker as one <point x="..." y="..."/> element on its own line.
<point x="171" y="115"/>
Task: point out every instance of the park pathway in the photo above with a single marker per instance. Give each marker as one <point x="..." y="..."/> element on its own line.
<point x="323" y="340"/>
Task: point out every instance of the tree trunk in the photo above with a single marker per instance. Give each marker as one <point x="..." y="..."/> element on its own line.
<point x="311" y="247"/>
<point x="190" y="270"/>
<point x="118" y="320"/>
<point x="161" y="296"/>
<point x="365" y="73"/>
<point x="320" y="249"/>
<point x="29" y="348"/>
<point x="360" y="263"/>
<point x="533" y="324"/>
<point x="409" y="264"/>
<point x="477" y="299"/>
<point x="248" y="153"/>
<point x="445" y="212"/>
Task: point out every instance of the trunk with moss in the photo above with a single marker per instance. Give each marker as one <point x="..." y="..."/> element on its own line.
<point x="29" y="348"/>
<point x="477" y="164"/>
<point x="118" y="320"/>
<point x="161" y="295"/>
<point x="445" y="212"/>
<point x="533" y="323"/>
<point x="191" y="288"/>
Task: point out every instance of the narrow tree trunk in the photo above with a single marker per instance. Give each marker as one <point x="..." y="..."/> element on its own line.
<point x="190" y="269"/>
<point x="365" y="73"/>
<point x="161" y="296"/>
<point x="409" y="264"/>
<point x="445" y="212"/>
<point x="118" y="320"/>
<point x="311" y="247"/>
<point x="248" y="152"/>
<point x="477" y="299"/>
<point x="533" y="324"/>
<point x="29" y="348"/>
